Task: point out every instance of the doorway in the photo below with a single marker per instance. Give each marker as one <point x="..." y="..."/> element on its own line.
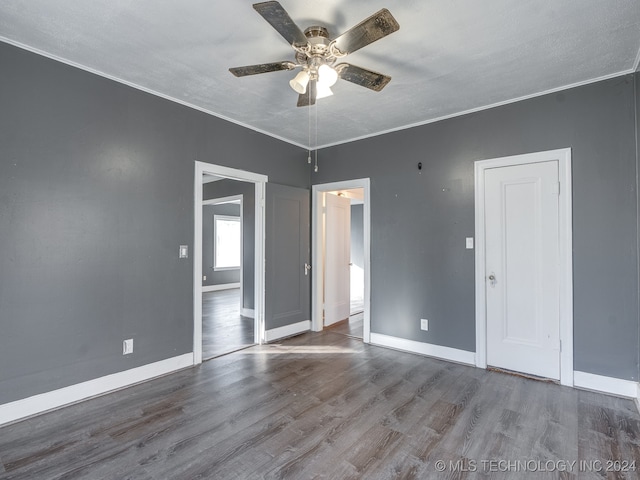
<point x="245" y="288"/>
<point x="340" y="277"/>
<point x="227" y="264"/>
<point x="524" y="310"/>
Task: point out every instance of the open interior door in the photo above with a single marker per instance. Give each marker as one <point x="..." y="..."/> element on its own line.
<point x="288" y="279"/>
<point x="337" y="281"/>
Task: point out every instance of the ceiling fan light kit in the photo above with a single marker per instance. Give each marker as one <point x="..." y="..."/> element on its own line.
<point x="317" y="54"/>
<point x="300" y="81"/>
<point x="323" y="91"/>
<point x="327" y="75"/>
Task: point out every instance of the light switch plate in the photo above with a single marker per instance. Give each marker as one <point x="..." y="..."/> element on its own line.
<point x="470" y="243"/>
<point x="127" y="346"/>
<point x="424" y="324"/>
<point x="184" y="251"/>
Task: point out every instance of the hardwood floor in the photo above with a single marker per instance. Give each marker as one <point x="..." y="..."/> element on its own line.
<point x="224" y="330"/>
<point x="356" y="305"/>
<point x="324" y="405"/>
<point x="353" y="327"/>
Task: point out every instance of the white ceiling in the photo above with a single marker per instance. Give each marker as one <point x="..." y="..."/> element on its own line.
<point x="449" y="56"/>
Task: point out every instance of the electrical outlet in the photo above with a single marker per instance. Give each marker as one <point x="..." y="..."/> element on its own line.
<point x="127" y="346"/>
<point x="204" y="278"/>
<point x="424" y="324"/>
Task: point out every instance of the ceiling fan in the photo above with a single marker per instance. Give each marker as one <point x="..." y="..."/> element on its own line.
<point x="316" y="54"/>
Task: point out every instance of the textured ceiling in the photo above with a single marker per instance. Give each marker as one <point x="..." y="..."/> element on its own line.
<point x="449" y="56"/>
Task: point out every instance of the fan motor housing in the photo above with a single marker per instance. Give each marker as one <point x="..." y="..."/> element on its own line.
<point x="316" y="31"/>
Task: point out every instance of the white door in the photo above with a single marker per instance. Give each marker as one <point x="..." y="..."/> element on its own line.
<point x="522" y="268"/>
<point x="337" y="297"/>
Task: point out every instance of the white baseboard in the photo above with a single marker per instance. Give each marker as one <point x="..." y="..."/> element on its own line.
<point x="27" y="407"/>
<point x="223" y="286"/>
<point x="438" y="351"/>
<point x="248" y="312"/>
<point x="288" y="330"/>
<point x="613" y="386"/>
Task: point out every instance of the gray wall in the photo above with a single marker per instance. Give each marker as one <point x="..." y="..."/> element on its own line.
<point x="419" y="265"/>
<point x="216" y="277"/>
<point x="227" y="188"/>
<point x="96" y="195"/>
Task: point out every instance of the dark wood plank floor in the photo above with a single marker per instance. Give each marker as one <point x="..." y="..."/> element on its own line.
<point x="354" y="326"/>
<point x="325" y="405"/>
<point x="224" y="330"/>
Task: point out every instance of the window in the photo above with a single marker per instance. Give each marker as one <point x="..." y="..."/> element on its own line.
<point x="228" y="242"/>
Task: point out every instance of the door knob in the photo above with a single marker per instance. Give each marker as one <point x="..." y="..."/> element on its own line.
<point x="492" y="279"/>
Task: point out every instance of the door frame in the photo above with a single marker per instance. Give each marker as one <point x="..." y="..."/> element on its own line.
<point x="563" y="157"/>
<point x="259" y="181"/>
<point x="317" y="272"/>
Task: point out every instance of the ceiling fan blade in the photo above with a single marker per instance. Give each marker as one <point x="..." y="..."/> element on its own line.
<point x="363" y="77"/>
<point x="262" y="68"/>
<point x="374" y="28"/>
<point x="309" y="97"/>
<point x="279" y="19"/>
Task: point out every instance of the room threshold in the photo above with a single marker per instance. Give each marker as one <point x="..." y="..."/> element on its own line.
<point x="235" y="350"/>
<point x="528" y="376"/>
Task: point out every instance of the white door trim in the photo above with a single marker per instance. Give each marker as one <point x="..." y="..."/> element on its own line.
<point x="215" y="201"/>
<point x="563" y="157"/>
<point x="259" y="180"/>
<point x="317" y="263"/>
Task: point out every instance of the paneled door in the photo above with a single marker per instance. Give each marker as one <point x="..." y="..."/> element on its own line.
<point x="522" y="268"/>
<point x="288" y="279"/>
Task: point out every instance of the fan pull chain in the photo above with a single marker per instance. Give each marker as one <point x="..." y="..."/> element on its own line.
<point x="315" y="168"/>
<point x="309" y="111"/>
